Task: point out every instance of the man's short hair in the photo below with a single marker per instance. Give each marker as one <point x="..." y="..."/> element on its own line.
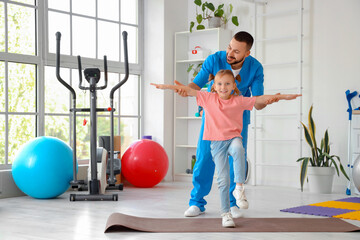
<point x="244" y="37"/>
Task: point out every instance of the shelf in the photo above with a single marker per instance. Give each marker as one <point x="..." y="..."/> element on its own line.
<point x="188" y="118"/>
<point x="186" y="146"/>
<point x="184" y="174"/>
<point x="200" y="32"/>
<point x="185" y="177"/>
<point x="190" y="60"/>
<point x="261" y="2"/>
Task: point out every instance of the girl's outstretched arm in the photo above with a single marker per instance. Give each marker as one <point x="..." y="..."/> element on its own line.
<point x="264" y="100"/>
<point x="189" y="91"/>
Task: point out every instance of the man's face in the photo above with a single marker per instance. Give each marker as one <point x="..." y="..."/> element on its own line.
<point x="236" y="53"/>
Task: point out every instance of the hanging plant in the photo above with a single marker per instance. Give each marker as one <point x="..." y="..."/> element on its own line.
<point x="209" y="11"/>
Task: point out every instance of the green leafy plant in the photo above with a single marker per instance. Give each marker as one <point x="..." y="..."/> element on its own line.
<point x="195" y="68"/>
<point x="208" y="11"/>
<point x="320" y="157"/>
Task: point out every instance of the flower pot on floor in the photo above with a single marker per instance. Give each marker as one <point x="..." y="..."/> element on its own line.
<point x="320" y="179"/>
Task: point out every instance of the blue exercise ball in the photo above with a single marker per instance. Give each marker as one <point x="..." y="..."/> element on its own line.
<point x="43" y="168"/>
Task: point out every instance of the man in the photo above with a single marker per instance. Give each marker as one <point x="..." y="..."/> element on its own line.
<point x="236" y="58"/>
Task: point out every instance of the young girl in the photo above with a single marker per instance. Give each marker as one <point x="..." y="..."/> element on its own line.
<point x="223" y="125"/>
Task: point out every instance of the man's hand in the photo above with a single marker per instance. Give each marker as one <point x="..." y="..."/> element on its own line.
<point x="180" y="91"/>
<point x="274" y="98"/>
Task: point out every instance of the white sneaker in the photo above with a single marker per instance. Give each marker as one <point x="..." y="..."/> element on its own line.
<point x="240" y="197"/>
<point x="227" y="220"/>
<point x="235" y="212"/>
<point x="193" y="211"/>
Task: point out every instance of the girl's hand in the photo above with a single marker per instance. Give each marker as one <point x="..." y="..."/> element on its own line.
<point x="158" y="86"/>
<point x="275" y="98"/>
<point x="290" y="96"/>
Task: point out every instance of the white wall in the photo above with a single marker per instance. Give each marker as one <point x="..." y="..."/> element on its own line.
<point x="161" y="20"/>
<point x="335" y="61"/>
<point x="8" y="187"/>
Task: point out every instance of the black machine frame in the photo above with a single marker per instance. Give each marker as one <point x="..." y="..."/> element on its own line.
<point x="92" y="75"/>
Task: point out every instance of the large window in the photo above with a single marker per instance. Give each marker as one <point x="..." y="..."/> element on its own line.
<point x="33" y="102"/>
<point x="18" y="76"/>
<point x="92" y="28"/>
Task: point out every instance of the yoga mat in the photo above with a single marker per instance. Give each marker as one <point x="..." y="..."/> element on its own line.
<point x="118" y="222"/>
<point x="346" y="208"/>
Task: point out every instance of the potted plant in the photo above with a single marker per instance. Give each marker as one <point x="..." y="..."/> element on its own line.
<point x="195" y="68"/>
<point x="209" y="12"/>
<point x="320" y="160"/>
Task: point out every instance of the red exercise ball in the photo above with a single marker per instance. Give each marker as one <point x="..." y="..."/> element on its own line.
<point x="144" y="163"/>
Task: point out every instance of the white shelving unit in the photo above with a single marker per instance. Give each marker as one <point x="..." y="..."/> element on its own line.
<point x="277" y="133"/>
<point x="186" y="125"/>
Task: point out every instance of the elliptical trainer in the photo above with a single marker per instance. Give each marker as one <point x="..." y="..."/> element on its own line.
<point x="92" y="75"/>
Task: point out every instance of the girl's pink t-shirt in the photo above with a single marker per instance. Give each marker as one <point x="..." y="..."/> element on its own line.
<point x="223" y="118"/>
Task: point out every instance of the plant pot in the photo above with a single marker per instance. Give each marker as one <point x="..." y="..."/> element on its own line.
<point x="320" y="179"/>
<point x="214" y="22"/>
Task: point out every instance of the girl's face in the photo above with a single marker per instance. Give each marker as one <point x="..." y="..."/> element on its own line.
<point x="224" y="86"/>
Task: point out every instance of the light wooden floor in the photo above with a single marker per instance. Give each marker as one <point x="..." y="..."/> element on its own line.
<point x="28" y="218"/>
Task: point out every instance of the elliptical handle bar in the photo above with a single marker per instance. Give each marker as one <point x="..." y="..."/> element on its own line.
<point x="58" y="38"/>
<point x="112" y="179"/>
<point x="73" y="106"/>
<point x="80" y="73"/>
<point x="124" y="34"/>
<point x="106" y="75"/>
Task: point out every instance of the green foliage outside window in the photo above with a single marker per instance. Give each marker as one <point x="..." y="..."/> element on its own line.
<point x="21" y="82"/>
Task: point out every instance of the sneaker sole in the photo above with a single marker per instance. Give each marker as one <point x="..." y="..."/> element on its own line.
<point x="192" y="215"/>
<point x="230" y="226"/>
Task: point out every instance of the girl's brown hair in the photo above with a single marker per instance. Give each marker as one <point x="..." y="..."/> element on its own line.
<point x="222" y="73"/>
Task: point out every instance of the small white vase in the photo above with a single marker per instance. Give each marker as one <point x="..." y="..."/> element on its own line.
<point x="214" y="22"/>
<point x="320" y="179"/>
